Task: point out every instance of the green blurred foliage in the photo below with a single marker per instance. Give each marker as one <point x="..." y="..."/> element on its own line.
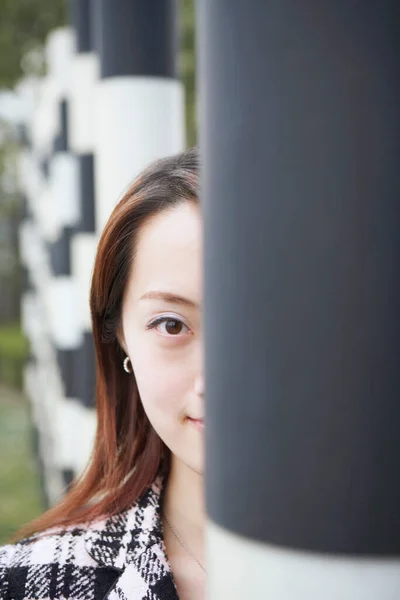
<point x="24" y="25"/>
<point x="9" y="154"/>
<point x="13" y="341"/>
<point x="20" y="496"/>
<point x="14" y="350"/>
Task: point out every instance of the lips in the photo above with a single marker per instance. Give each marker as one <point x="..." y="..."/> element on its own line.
<point x="197" y="423"/>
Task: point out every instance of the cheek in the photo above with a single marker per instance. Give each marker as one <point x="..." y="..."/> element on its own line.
<point x="160" y="377"/>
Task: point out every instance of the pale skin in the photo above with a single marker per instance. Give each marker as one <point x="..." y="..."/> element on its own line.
<point x="166" y="282"/>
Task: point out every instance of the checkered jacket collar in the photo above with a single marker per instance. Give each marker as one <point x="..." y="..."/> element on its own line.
<point x="132" y="544"/>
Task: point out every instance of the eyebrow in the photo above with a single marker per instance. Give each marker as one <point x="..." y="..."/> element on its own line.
<point x="168" y="297"/>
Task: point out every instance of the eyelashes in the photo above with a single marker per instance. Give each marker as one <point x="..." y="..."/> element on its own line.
<point x="173" y="326"/>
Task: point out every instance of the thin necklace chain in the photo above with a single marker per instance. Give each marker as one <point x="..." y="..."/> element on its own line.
<point x="182" y="544"/>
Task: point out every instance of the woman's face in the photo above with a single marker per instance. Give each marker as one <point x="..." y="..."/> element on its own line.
<point x="161" y="323"/>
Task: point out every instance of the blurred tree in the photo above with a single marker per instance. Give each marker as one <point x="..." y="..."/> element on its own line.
<point x="188" y="67"/>
<point x="10" y="209"/>
<point x="24" y="25"/>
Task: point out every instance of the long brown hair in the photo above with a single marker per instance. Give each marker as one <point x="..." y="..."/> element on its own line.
<point x="128" y="454"/>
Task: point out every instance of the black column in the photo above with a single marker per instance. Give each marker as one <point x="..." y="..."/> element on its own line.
<point x="136" y="38"/>
<point x="299" y="133"/>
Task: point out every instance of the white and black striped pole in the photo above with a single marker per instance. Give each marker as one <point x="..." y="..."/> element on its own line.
<point x="299" y="132"/>
<point x="139" y="98"/>
<point x="40" y="380"/>
<point x="62" y="304"/>
<point x="84" y="241"/>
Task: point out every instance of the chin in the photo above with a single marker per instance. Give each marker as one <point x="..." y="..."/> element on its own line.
<point x="195" y="465"/>
<point x="199" y="470"/>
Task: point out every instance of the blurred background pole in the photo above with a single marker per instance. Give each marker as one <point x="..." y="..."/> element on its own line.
<point x="33" y="229"/>
<point x="62" y="306"/>
<point x="139" y="98"/>
<point x="42" y="378"/>
<point x="299" y="133"/>
<point x="84" y="75"/>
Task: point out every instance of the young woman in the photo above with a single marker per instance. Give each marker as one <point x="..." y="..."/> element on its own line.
<point x="132" y="526"/>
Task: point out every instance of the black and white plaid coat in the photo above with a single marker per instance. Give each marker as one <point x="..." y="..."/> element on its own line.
<point x="122" y="557"/>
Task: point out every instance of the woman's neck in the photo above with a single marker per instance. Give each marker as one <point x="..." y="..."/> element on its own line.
<point x="184" y="506"/>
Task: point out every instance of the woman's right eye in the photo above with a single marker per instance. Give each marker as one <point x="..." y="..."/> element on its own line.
<point x="171" y="326"/>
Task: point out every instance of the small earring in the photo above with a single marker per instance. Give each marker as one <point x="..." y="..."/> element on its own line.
<point x="126" y="367"/>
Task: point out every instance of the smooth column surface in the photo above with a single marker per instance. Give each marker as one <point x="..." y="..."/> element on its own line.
<point x="299" y="135"/>
<point x="240" y="568"/>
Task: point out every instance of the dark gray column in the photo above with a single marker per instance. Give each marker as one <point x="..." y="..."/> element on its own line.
<point x="299" y="134"/>
<point x="137" y="38"/>
<point x="79" y="17"/>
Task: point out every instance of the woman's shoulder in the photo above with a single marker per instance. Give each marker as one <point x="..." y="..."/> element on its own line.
<point x="36" y="566"/>
<point x="45" y="544"/>
<point x="84" y="561"/>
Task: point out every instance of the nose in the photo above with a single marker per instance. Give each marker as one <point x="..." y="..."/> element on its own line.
<point x="199" y="362"/>
<point x="199" y="385"/>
